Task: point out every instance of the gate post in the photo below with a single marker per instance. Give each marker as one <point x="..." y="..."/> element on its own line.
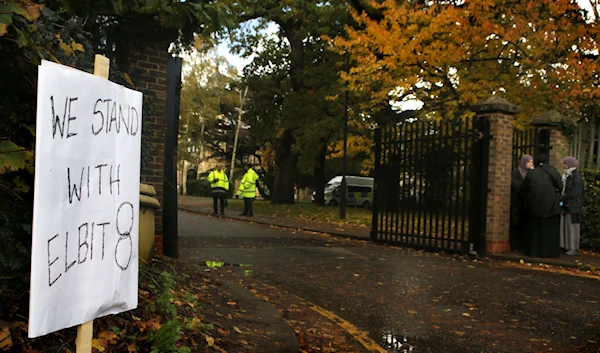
<point x="496" y="224"/>
<point x="559" y="143"/>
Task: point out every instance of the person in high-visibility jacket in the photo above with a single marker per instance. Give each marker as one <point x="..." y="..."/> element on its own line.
<point x="247" y="190"/>
<point x="219" y="184"/>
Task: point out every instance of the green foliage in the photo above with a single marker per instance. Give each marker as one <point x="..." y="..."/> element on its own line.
<point x="29" y="32"/>
<point x="165" y="338"/>
<point x="198" y="187"/>
<point x="164" y="301"/>
<point x="590" y="226"/>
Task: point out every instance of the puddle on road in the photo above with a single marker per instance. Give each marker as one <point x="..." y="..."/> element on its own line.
<point x="219" y="264"/>
<point x="395" y="343"/>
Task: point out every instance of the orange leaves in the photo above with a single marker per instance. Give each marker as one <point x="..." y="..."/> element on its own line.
<point x="530" y="52"/>
<point x="69" y="49"/>
<point x="104" y="339"/>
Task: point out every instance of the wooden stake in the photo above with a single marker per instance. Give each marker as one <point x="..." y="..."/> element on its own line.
<point x="85" y="332"/>
<point x="101" y="66"/>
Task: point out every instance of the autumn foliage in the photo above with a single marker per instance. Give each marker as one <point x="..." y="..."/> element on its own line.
<point x="538" y="54"/>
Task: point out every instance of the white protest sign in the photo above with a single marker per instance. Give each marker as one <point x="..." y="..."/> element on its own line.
<point x="86" y="206"/>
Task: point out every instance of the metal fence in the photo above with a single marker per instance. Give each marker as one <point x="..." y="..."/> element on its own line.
<point x="523" y="143"/>
<point x="530" y="141"/>
<point x="585" y="146"/>
<point x="431" y="184"/>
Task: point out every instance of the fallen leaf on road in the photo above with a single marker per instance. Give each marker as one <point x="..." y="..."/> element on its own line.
<point x="210" y="341"/>
<point x="96" y="344"/>
<point x="236" y="329"/>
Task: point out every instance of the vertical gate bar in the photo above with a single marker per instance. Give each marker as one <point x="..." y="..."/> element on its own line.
<point x="406" y="185"/>
<point x="437" y="143"/>
<point x="433" y="147"/>
<point x="592" y="140"/>
<point x="423" y="184"/>
<point x="381" y="225"/>
<point x="389" y="211"/>
<point x="400" y="181"/>
<point x="466" y="182"/>
<point x="398" y="143"/>
<point x="394" y="188"/>
<point x="474" y="187"/>
<point x="384" y="162"/>
<point x="388" y="160"/>
<point x="443" y="146"/>
<point x="477" y="236"/>
<point x="376" y="191"/>
<point x="447" y="202"/>
<point x="597" y="147"/>
<point x="421" y="141"/>
<point x="515" y="150"/>
<point x="459" y="166"/>
<point x="413" y="184"/>
<point x="402" y="189"/>
<point x="434" y="140"/>
<point x="516" y="144"/>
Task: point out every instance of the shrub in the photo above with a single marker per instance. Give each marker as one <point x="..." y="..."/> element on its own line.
<point x="590" y="225"/>
<point x="198" y="187"/>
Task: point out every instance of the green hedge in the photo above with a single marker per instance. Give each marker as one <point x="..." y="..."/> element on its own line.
<point x="590" y="225"/>
<point x="198" y="187"/>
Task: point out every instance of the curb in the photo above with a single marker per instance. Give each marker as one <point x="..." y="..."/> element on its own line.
<point x="551" y="262"/>
<point x="252" y="220"/>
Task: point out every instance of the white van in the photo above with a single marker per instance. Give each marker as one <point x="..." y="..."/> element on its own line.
<point x="359" y="191"/>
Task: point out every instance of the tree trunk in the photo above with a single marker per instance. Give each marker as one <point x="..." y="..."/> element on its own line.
<point x="319" y="173"/>
<point x="285" y="170"/>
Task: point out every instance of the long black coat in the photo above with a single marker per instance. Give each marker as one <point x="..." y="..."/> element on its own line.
<point x="515" y="197"/>
<point x="541" y="192"/>
<point x="574" y="196"/>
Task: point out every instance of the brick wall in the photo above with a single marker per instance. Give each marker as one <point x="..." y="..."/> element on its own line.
<point x="501" y="116"/>
<point x="560" y="148"/>
<point x="499" y="180"/>
<point x="148" y="71"/>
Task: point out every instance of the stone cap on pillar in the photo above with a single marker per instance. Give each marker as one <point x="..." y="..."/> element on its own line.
<point x="552" y="118"/>
<point x="495" y="104"/>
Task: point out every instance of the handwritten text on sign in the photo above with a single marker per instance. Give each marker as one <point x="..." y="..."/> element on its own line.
<point x="86" y="206"/>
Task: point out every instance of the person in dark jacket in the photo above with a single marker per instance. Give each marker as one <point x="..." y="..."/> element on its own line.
<point x="516" y="208"/>
<point x="573" y="197"/>
<point x="541" y="192"/>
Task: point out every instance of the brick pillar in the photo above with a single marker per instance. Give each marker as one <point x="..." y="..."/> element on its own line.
<point x="148" y="71"/>
<point x="501" y="116"/>
<point x="552" y="121"/>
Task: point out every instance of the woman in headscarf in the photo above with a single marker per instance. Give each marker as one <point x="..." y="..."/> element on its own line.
<point x="572" y="200"/>
<point x="541" y="191"/>
<point x="518" y="175"/>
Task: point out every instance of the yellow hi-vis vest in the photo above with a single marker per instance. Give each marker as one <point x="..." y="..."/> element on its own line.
<point x="218" y="179"/>
<point x="247" y="187"/>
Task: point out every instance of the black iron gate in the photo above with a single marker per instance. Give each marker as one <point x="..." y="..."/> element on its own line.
<point x="431" y="184"/>
<point x="530" y="141"/>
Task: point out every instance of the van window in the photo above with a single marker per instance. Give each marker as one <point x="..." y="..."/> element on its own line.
<point x="361" y="189"/>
